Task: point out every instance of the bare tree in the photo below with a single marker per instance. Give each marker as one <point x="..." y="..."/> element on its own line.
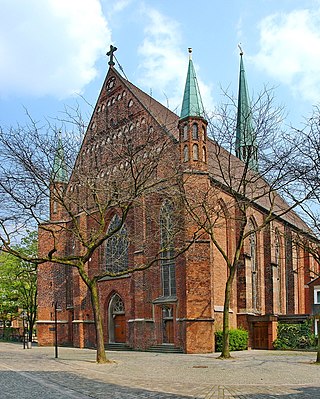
<point x="243" y="195"/>
<point x="118" y="165"/>
<point x="306" y="166"/>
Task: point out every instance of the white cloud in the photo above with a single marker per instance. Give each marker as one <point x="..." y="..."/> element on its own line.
<point x="163" y="64"/>
<point x="119" y="6"/>
<point x="49" y="47"/>
<point x="290" y="51"/>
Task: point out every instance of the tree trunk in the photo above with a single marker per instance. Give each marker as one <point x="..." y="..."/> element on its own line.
<point x="30" y="331"/>
<point x="225" y="353"/>
<point x="101" y="354"/>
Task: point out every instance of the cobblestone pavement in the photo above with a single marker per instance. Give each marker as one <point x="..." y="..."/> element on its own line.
<point x="34" y="373"/>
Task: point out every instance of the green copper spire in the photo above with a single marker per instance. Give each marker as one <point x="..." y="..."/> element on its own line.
<point x="192" y="103"/>
<point x="59" y="171"/>
<point x="246" y="147"/>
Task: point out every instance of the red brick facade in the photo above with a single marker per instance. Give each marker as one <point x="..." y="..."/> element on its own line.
<point x="135" y="310"/>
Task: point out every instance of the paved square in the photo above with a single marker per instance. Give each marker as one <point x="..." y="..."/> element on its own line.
<point x="35" y="373"/>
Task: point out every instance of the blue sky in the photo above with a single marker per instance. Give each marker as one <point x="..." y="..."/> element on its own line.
<point x="53" y="51"/>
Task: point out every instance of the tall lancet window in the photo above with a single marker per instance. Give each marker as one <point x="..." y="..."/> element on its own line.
<point x="195" y="134"/>
<point x="277" y="274"/>
<point x="117" y="247"/>
<point x="204" y="154"/>
<point x="168" y="274"/>
<point x="195" y="152"/>
<point x="185" y="132"/>
<point x="254" y="265"/>
<point x="185" y="154"/>
<point x="295" y="262"/>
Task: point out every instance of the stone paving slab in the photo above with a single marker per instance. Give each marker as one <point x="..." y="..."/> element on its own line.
<point x="35" y="373"/>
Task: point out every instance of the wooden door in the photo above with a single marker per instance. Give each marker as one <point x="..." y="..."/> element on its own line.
<point x="119" y="328"/>
<point x="260" y="335"/>
<point x="168" y="332"/>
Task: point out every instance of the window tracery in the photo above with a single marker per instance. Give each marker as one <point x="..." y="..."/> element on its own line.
<point x="254" y="264"/>
<point x="167" y="247"/>
<point x="117" y="247"/>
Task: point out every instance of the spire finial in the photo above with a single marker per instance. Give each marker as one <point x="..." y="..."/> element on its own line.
<point x="191" y="103"/>
<point x="110" y="54"/>
<point x="240" y="48"/>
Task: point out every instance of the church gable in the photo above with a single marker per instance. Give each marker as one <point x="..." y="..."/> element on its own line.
<point x="120" y="102"/>
<point x="128" y="128"/>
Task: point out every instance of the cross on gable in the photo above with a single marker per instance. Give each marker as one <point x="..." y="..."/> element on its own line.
<point x="110" y="54"/>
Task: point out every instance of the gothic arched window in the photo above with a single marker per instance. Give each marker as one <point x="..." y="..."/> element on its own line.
<point x="254" y="264"/>
<point x="195" y="152"/>
<point x="117" y="305"/>
<point x="185" y="154"/>
<point x="277" y="273"/>
<point x="204" y="133"/>
<point x="295" y="261"/>
<point x="117" y="246"/>
<point x="185" y="132"/>
<point x="204" y="154"/>
<point x="195" y="134"/>
<point x="167" y="262"/>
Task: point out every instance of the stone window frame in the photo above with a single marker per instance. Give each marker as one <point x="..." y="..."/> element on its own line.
<point x="117" y="247"/>
<point x="195" y="152"/>
<point x="167" y="261"/>
<point x="204" y="133"/>
<point x="277" y="270"/>
<point x="185" y="153"/>
<point x="185" y="132"/>
<point x="195" y="131"/>
<point x="204" y="154"/>
<point x="253" y="252"/>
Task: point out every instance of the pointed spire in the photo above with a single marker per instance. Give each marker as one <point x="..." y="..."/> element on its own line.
<point x="246" y="147"/>
<point x="192" y="103"/>
<point x="59" y="171"/>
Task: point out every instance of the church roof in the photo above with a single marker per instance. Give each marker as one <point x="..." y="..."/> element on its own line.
<point x="221" y="163"/>
<point x="219" y="169"/>
<point x="227" y="170"/>
<point x="192" y="102"/>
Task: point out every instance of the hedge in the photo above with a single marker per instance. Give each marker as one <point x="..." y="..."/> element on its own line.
<point x="295" y="336"/>
<point x="238" y="340"/>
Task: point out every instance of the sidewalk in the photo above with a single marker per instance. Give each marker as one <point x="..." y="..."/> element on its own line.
<point x="250" y="374"/>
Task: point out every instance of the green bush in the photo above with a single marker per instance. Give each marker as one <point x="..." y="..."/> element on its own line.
<point x="10" y="334"/>
<point x="295" y="336"/>
<point x="238" y="340"/>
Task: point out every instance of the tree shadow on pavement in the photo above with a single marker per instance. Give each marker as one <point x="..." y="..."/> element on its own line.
<point x="297" y="393"/>
<point x="61" y="385"/>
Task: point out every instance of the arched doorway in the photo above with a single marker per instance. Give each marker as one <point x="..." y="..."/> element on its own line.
<point x="116" y="320"/>
<point x="167" y="323"/>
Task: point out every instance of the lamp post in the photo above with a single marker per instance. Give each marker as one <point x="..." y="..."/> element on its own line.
<point x="56" y="309"/>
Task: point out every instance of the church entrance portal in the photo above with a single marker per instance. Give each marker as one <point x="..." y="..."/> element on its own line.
<point x="117" y="320"/>
<point x="167" y="322"/>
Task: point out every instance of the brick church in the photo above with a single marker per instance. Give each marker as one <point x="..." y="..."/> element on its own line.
<point x="178" y="301"/>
